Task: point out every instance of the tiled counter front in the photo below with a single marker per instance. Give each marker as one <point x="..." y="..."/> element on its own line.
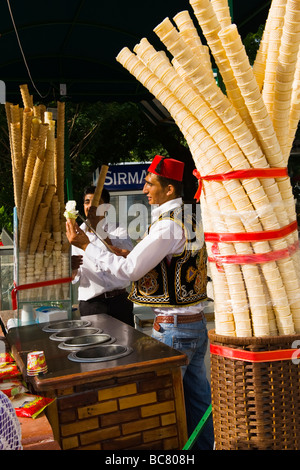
<point x="135" y="402"/>
<point x="142" y="411"/>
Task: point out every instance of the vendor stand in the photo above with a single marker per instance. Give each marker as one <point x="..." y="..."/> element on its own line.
<point x="132" y="402"/>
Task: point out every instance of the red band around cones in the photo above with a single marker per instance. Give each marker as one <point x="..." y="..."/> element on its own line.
<point x="254" y="258"/>
<point x="240" y="174"/>
<point x="251" y="356"/>
<point x="251" y="236"/>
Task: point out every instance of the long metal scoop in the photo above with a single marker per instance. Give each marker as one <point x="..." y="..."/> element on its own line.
<point x="94" y="232"/>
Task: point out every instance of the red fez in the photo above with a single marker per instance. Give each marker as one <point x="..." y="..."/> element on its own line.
<point x="167" y="167"/>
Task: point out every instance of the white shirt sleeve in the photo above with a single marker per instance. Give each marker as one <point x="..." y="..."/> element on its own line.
<point x="165" y="238"/>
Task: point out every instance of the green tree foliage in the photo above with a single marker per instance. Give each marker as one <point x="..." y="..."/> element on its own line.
<point x="251" y="43"/>
<point x="6" y="182"/>
<point x="105" y="133"/>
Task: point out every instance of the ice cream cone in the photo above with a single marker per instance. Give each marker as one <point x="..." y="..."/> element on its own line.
<point x="30" y="202"/>
<point x="26" y="97"/>
<point x="60" y="151"/>
<point x="71" y="213"/>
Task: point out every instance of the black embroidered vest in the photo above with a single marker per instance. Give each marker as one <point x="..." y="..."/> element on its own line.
<point x="182" y="281"/>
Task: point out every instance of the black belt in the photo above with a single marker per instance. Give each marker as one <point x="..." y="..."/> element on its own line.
<point x="177" y="319"/>
<point x="108" y="295"/>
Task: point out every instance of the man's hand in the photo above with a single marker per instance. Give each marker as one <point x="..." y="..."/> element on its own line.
<point x="76" y="262"/>
<point x="76" y="236"/>
<point x="120" y="251"/>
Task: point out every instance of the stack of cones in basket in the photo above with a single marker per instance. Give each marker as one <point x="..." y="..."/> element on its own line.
<point x="240" y="141"/>
<point x="37" y="153"/>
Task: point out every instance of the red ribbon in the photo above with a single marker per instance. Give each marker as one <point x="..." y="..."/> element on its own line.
<point x="254" y="258"/>
<point x="251" y="356"/>
<point x="240" y="174"/>
<point x="251" y="236"/>
<point x="35" y="285"/>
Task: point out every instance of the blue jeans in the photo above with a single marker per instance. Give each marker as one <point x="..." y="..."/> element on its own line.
<point x="192" y="339"/>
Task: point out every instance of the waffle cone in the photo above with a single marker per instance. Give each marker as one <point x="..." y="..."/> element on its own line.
<point x="190" y="35"/>
<point x="30" y="203"/>
<point x="288" y="52"/>
<point x="55" y="210"/>
<point x="42" y="241"/>
<point x="165" y="72"/>
<point x="48" y="176"/>
<point x="60" y="151"/>
<point x="26" y="132"/>
<point x="35" y="128"/>
<point x="26" y="97"/>
<point x="38" y="227"/>
<point x="275" y="25"/>
<point x="99" y="186"/>
<point x="253" y="100"/>
<point x="294" y="110"/>
<point x="222" y="12"/>
<point x="38" y="263"/>
<point x="49" y="194"/>
<point x="184" y="22"/>
<point x="15" y="114"/>
<point x="38" y="200"/>
<point x="49" y="247"/>
<point x="16" y="141"/>
<point x="204" y="11"/>
<point x="203" y="82"/>
<point x="226" y="328"/>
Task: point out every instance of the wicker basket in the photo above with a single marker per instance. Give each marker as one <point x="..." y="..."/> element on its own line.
<point x="255" y="394"/>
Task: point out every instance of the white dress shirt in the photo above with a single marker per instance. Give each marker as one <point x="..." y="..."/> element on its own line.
<point x="94" y="282"/>
<point x="164" y="239"/>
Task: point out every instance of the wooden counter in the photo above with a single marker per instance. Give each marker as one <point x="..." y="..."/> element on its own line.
<point x="134" y="402"/>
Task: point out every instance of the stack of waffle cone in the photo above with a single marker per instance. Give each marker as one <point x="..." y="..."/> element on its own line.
<point x="191" y="37"/>
<point x="287" y="59"/>
<point x="60" y="151"/>
<point x="294" y="115"/>
<point x="41" y="225"/>
<point x="274" y="28"/>
<point x="233" y="132"/>
<point x="206" y="15"/>
<point x="256" y="193"/>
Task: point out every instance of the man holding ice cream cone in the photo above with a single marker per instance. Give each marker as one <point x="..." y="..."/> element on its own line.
<point x="99" y="291"/>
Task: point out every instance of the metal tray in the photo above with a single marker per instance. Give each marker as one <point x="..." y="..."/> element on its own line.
<point x="64" y="324"/>
<point x="101" y="353"/>
<point x="82" y="342"/>
<point x="63" y="335"/>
